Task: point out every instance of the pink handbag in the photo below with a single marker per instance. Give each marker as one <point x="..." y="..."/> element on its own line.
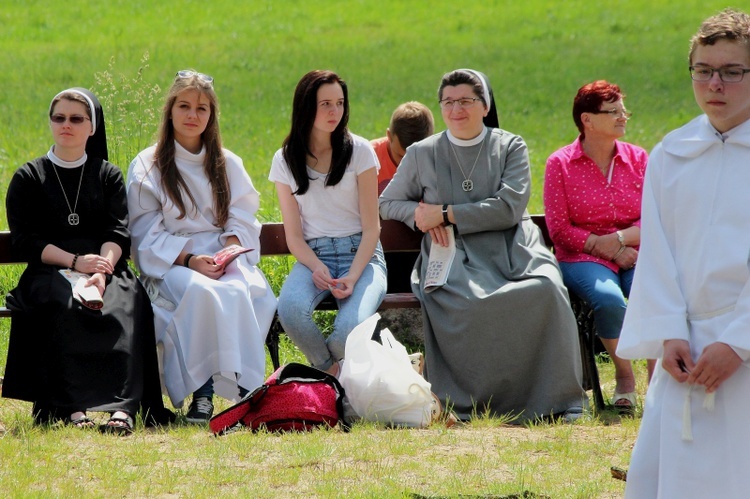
<point x="295" y="397"/>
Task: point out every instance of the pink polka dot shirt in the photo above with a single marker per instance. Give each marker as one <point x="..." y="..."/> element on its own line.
<point x="580" y="200"/>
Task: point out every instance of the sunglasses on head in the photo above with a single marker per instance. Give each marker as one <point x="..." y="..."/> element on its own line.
<point x="76" y="119"/>
<point x="189" y="73"/>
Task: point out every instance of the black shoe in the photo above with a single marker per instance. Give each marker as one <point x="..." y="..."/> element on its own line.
<point x="201" y="410"/>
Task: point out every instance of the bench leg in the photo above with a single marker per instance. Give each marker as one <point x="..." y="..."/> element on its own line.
<point x="587" y="338"/>
<point x="272" y="342"/>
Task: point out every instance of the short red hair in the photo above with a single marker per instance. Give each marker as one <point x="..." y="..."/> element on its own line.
<point x="590" y="98"/>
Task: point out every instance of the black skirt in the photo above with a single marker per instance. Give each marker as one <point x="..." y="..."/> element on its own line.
<point x="65" y="357"/>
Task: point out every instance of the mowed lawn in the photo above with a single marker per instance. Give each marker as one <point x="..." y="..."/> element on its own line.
<point x="536" y="55"/>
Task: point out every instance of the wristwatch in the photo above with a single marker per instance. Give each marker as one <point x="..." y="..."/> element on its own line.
<point x="621" y="237"/>
<point x="445" y="215"/>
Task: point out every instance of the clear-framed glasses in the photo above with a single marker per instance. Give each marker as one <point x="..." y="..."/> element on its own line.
<point x="75" y="119"/>
<point x="462" y="103"/>
<point x="189" y="73"/>
<point x="615" y="113"/>
<point x="727" y="74"/>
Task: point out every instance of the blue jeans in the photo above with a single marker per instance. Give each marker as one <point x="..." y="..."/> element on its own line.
<point x="603" y="290"/>
<point x="207" y="390"/>
<point x="299" y="297"/>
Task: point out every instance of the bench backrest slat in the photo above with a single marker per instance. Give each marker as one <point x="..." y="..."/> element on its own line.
<point x="542" y="224"/>
<point x="394" y="236"/>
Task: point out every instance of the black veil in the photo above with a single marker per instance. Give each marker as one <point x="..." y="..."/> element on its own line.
<point x="491" y="119"/>
<point x="96" y="146"/>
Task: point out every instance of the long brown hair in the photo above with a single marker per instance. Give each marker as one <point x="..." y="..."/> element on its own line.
<point x="214" y="164"/>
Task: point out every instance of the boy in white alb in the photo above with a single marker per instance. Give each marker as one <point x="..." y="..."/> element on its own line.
<point x="690" y="302"/>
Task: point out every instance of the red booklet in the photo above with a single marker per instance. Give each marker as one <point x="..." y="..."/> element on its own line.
<point x="225" y="256"/>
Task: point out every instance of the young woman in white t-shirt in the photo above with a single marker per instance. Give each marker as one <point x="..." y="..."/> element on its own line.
<point x="326" y="180"/>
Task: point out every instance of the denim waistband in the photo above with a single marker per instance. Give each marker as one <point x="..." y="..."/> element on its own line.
<point x="352" y="237"/>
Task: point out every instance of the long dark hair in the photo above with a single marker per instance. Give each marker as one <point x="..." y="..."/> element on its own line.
<point x="296" y="145"/>
<point x="215" y="164"/>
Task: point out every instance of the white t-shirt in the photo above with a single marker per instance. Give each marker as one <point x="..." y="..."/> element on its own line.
<point x="329" y="211"/>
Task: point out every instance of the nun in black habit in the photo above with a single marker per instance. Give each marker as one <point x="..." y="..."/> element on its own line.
<point x="68" y="210"/>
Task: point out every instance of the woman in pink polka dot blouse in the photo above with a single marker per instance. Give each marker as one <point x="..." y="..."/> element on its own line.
<point x="592" y="200"/>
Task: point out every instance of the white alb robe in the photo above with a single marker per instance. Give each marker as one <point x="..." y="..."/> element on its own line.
<point x="204" y="327"/>
<point x="692" y="282"/>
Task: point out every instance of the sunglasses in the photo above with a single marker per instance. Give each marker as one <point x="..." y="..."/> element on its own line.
<point x="189" y="73"/>
<point x="75" y="119"/>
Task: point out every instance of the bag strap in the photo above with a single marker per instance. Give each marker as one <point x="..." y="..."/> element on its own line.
<point x="304" y="373"/>
<point x="230" y="419"/>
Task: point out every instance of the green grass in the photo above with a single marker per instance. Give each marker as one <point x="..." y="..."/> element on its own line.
<point x="536" y="55"/>
<point x="484" y="458"/>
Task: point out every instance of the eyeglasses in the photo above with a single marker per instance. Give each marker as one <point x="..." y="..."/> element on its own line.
<point x="189" y="73"/>
<point x="76" y="119"/>
<point x="727" y="75"/>
<point x="615" y="113"/>
<point x="462" y="103"/>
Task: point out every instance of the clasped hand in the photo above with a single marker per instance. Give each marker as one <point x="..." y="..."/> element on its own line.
<point x="608" y="247"/>
<point x="626" y="260"/>
<point x="92" y="264"/>
<point x="97" y="266"/>
<point x="339" y="288"/>
<point x="205" y="265"/>
<point x="716" y="364"/>
<point x="429" y="218"/>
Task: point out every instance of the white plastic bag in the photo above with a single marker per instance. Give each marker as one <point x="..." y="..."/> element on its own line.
<point x="380" y="383"/>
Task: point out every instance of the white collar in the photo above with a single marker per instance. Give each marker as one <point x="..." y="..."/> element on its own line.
<point x="184" y="154"/>
<point x="699" y="135"/>
<point x="467" y="143"/>
<point x="65" y="164"/>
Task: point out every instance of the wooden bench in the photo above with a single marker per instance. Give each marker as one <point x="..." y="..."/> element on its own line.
<point x="396" y="238"/>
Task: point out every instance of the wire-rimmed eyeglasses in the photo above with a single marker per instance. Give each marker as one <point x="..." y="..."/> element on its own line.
<point x="462" y="103"/>
<point x="727" y="74"/>
<point x="615" y="113"/>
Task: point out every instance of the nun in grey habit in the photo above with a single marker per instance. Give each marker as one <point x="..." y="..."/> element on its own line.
<point x="500" y="337"/>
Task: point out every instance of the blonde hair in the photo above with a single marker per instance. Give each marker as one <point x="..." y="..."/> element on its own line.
<point x="214" y="164"/>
